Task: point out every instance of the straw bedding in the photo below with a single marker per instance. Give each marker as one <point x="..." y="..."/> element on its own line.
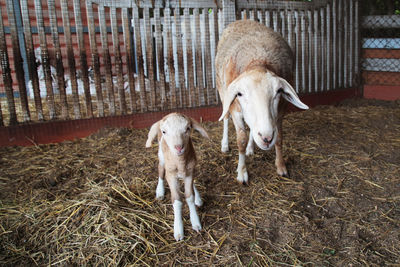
<point x="92" y="201"/>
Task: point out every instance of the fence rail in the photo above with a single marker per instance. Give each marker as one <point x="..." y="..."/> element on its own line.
<point x="98" y="58"/>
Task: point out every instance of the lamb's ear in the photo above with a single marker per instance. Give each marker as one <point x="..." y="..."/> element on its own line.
<point x="229" y="97"/>
<point x="290" y="94"/>
<point x="197" y="126"/>
<point x="152" y="133"/>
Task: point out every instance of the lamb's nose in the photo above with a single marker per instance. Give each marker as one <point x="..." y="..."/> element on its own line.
<point x="179" y="148"/>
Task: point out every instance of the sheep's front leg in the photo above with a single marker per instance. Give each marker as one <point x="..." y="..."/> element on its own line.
<point x="225" y="139"/>
<point x="250" y="145"/>
<point x="242" y="139"/>
<point x="160" y="191"/>
<point x="190" y="200"/>
<point x="279" y="162"/>
<point x="177" y="204"/>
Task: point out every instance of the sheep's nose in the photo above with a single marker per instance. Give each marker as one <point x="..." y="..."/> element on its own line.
<point x="266" y="139"/>
<point x="179" y="148"/>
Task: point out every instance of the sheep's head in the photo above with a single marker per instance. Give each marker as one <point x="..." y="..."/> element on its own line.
<point x="175" y="129"/>
<point x="258" y="94"/>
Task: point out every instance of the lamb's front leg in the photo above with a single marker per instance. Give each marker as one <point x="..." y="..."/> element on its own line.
<point x="160" y="191"/>
<point x="190" y="200"/>
<point x="177" y="204"/>
<point x="225" y="138"/>
<point x="242" y="140"/>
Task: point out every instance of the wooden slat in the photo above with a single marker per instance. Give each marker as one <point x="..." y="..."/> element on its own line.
<point x="310" y="51"/>
<point x="198" y="62"/>
<point x="150" y="57"/>
<point x="31" y="62"/>
<point x="329" y="47"/>
<point x="268" y="18"/>
<point x="6" y="75"/>
<point x="357" y="41"/>
<point x="351" y="43"/>
<point x="18" y="63"/>
<point x="340" y="43"/>
<point x="322" y="36"/>
<point x="216" y="38"/>
<point x="130" y="59"/>
<point x="282" y="19"/>
<point x="95" y="58"/>
<point x="280" y="5"/>
<point x="304" y="53"/>
<point x="170" y="58"/>
<point x="159" y="3"/>
<point x="139" y="58"/>
<point x="275" y="20"/>
<point x="317" y="52"/>
<point x="189" y="59"/>
<point x="160" y="57"/>
<point x="335" y="45"/>
<point x="211" y="96"/>
<point x="346" y="55"/>
<point x="59" y="64"/>
<point x="178" y="35"/>
<point x="298" y="51"/>
<point x="106" y="60"/>
<point x="83" y="58"/>
<point x="118" y="61"/>
<point x="45" y="59"/>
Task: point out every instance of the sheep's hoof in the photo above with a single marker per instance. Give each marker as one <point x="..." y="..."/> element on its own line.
<point x="198" y="202"/>
<point x="283" y="172"/>
<point x="224" y="149"/>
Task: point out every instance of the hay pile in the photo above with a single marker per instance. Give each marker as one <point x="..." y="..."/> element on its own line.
<point x="91" y="201"/>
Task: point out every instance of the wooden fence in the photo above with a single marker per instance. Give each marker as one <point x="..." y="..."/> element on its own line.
<point x="96" y="58"/>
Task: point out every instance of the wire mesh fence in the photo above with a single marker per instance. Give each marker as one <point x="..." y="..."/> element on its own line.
<point x="381" y="49"/>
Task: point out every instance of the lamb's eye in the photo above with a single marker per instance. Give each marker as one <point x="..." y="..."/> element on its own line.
<point x="239" y="94"/>
<point x="163" y="132"/>
<point x="187" y="129"/>
<point x="280" y="91"/>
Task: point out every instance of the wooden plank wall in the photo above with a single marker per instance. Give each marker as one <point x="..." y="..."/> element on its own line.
<point x="114" y="57"/>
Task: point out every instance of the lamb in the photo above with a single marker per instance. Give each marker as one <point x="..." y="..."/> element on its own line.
<point x="254" y="69"/>
<point x="177" y="159"/>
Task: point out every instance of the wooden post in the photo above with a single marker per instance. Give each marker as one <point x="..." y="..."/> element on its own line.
<point x="83" y="58"/>
<point x="160" y="57"/>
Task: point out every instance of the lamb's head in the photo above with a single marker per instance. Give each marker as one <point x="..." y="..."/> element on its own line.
<point x="175" y="129"/>
<point x="258" y="94"/>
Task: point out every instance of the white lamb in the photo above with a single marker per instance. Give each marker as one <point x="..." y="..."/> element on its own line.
<point x="177" y="159"/>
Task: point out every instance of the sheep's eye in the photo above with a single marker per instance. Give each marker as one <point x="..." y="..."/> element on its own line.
<point x="280" y="91"/>
<point x="239" y="94"/>
<point x="163" y="132"/>
<point x="187" y="129"/>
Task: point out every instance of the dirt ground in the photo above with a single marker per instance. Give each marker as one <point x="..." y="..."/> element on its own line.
<point x="92" y="201"/>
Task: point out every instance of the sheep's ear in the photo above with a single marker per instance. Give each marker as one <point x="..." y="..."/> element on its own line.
<point x="290" y="94"/>
<point x="197" y="126"/>
<point x="152" y="133"/>
<point x="229" y="97"/>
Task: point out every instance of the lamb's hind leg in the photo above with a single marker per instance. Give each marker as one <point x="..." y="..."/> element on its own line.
<point x="242" y="140"/>
<point x="177" y="204"/>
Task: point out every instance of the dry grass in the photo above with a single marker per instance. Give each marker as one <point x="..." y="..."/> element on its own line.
<point x="91" y="201"/>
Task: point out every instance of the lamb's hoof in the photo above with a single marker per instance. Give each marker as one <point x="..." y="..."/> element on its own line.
<point x="178" y="234"/>
<point x="243" y="177"/>
<point x="198" y="202"/>
<point x="161" y="197"/>
<point x="224" y="149"/>
<point x="197" y="227"/>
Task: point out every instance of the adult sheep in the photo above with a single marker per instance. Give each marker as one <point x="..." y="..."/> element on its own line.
<point x="254" y="69"/>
